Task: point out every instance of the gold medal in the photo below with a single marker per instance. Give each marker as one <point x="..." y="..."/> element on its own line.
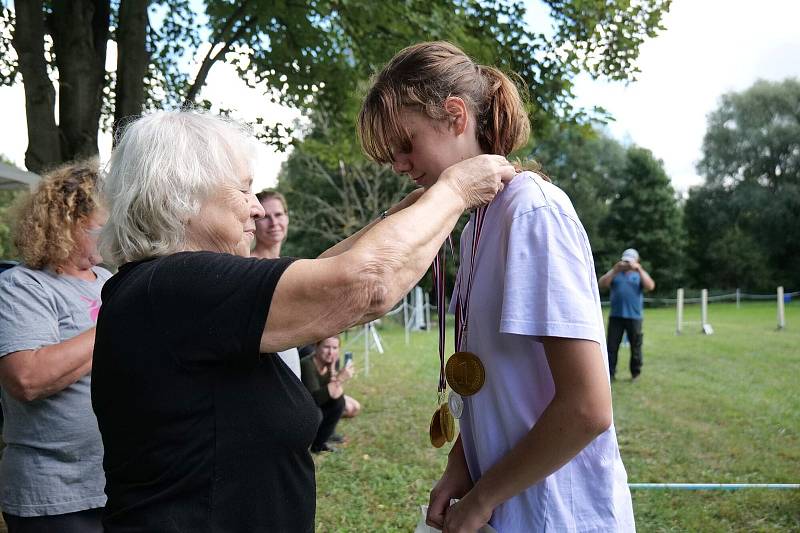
<point x="447" y="422"/>
<point x="436" y="434"/>
<point x="465" y="373"/>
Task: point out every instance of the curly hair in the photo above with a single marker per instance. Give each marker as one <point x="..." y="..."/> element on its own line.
<point x="45" y="233"/>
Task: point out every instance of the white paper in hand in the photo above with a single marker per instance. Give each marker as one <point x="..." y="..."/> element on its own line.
<point x="422" y="527"/>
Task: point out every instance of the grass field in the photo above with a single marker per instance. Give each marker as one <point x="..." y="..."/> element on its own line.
<point x="723" y="408"/>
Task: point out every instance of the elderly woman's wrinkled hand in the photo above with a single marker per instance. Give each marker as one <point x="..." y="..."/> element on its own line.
<point x="478" y="180"/>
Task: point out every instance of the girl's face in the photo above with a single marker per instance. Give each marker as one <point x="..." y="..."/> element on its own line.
<point x="435" y="145"/>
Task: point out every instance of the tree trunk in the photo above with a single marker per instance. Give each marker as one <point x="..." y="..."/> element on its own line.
<point x="44" y="149"/>
<point x="132" y="60"/>
<point x="80" y="37"/>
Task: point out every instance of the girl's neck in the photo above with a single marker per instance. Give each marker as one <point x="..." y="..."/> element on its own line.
<point x="267" y="251"/>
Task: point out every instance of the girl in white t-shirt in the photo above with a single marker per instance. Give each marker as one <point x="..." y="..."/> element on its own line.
<point x="537" y="450"/>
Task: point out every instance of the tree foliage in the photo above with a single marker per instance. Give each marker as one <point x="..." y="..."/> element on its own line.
<point x="597" y="37"/>
<point x="742" y="224"/>
<point x="309" y="54"/>
<point x="644" y="215"/>
<point x="754" y="136"/>
<point x="590" y="167"/>
<point x="8" y="201"/>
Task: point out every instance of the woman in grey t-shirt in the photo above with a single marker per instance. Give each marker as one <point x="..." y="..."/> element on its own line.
<point x="51" y="473"/>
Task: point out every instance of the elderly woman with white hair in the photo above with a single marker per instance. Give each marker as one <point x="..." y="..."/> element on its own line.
<point x="204" y="428"/>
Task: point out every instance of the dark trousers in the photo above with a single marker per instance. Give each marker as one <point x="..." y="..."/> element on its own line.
<point x="331" y="413"/>
<point x="87" y="521"/>
<point x="616" y="326"/>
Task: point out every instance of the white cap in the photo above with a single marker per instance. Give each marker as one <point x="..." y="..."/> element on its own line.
<point x="630" y="255"/>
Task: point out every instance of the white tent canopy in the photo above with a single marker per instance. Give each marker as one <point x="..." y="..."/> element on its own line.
<point x="14" y="178"/>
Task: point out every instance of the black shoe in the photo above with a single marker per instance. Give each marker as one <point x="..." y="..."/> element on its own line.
<point x="325" y="447"/>
<point x="336" y="438"/>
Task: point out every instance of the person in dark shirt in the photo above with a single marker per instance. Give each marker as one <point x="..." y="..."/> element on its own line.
<point x="326" y="384"/>
<point x="204" y="428"/>
<point x="627" y="280"/>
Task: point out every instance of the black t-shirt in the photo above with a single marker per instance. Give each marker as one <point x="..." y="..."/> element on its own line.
<point x="201" y="432"/>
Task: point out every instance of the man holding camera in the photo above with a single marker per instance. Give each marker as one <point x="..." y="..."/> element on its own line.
<point x="627" y="281"/>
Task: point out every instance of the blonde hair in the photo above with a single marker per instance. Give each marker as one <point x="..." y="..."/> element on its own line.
<point x="49" y="218"/>
<point x="422" y="77"/>
<point x="319" y="342"/>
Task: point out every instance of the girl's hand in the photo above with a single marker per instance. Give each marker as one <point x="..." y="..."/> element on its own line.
<point x="466" y="515"/>
<point x="455" y="483"/>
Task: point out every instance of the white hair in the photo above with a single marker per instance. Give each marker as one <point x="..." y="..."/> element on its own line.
<point x="164" y="166"/>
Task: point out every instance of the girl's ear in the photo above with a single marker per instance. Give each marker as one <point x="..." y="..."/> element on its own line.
<point x="457" y="114"/>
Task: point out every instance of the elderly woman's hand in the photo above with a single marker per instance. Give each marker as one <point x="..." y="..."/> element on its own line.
<point x="477" y="180"/>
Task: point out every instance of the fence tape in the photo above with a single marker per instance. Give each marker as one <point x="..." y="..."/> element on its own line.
<point x="714" y="486"/>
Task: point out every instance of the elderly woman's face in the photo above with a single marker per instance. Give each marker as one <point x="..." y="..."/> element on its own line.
<point x="226" y="221"/>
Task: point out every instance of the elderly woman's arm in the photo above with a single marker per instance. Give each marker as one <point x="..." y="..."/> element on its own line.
<point x="318" y="298"/>
<point x="30" y="375"/>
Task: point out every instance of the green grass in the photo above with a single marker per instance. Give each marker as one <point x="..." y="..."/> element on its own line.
<point x="723" y="408"/>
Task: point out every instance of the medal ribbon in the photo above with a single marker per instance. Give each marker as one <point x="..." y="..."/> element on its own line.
<point x="439" y="283"/>
<point x="462" y="304"/>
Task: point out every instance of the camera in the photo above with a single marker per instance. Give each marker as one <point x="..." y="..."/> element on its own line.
<point x="348" y="360"/>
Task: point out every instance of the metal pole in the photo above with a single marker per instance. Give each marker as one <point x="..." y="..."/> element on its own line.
<point x="405" y="316"/>
<point x="679" y="305"/>
<point x="738" y="298"/>
<point x="704" y="309"/>
<point x="366" y="349"/>
<point x="427" y="301"/>
<point x="781" y="317"/>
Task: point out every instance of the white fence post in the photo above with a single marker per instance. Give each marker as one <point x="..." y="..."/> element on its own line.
<point x="781" y="317"/>
<point x="405" y="317"/>
<point x="427" y="312"/>
<point x="366" y="349"/>
<point x="738" y="298"/>
<point x="707" y="329"/>
<point x="679" y="305"/>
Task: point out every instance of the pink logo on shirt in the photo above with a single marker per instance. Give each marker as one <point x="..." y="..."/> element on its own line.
<point x="94" y="307"/>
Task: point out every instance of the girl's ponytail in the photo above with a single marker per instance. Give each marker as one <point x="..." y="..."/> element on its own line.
<point x="503" y="125"/>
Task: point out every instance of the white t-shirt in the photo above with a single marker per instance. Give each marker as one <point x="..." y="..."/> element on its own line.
<point x="292" y="359"/>
<point x="534" y="276"/>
